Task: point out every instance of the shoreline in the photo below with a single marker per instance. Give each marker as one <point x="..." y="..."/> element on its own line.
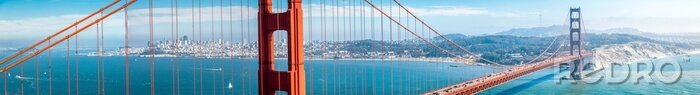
<point x="693" y="52"/>
<point x="689" y="53"/>
<point x="430" y="60"/>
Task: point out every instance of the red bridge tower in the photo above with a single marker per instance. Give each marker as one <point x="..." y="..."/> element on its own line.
<point x="576" y="42"/>
<point x="270" y="80"/>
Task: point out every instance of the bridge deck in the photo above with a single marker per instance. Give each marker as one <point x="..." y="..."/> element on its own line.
<point x="488" y="81"/>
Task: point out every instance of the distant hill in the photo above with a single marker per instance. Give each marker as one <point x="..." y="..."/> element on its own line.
<point x="556" y="30"/>
<point x="496" y="47"/>
<point x="493" y="47"/>
<point x="450" y="36"/>
<point x="536" y="31"/>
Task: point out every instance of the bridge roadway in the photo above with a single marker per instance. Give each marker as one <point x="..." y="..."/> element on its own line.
<point x="492" y="80"/>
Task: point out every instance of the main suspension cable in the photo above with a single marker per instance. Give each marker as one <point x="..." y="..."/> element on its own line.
<point x="442" y="36"/>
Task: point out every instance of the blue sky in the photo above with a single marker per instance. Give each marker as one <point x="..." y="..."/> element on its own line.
<point x="471" y="17"/>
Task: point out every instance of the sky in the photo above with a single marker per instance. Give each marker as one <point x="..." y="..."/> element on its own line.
<point x="27" y="21"/>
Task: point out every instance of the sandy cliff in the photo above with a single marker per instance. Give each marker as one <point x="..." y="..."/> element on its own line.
<point x="631" y="52"/>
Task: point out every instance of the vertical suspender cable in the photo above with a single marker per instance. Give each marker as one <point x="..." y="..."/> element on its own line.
<point x="213" y="39"/>
<point x="21" y="81"/>
<point x="398" y="52"/>
<point x="126" y="48"/>
<point x="337" y="40"/>
<point x="391" y="42"/>
<point x="201" y="91"/>
<point x="150" y="46"/>
<point x="372" y="30"/>
<point x="99" y="58"/>
<point x="324" y="87"/>
<point x="177" y="52"/>
<point x="347" y="37"/>
<point x="250" y="38"/>
<point x="341" y="36"/>
<point x="224" y="45"/>
<point x="102" y="63"/>
<point x="249" y="28"/>
<point x="177" y="48"/>
<point x="241" y="46"/>
<point x="417" y="78"/>
<point x="50" y="73"/>
<point x="324" y="28"/>
<point x="353" y="36"/>
<point x="36" y="72"/>
<point x="194" y="71"/>
<point x="310" y="41"/>
<point x="415" y="28"/>
<point x="334" y="40"/>
<point x="232" y="50"/>
<point x="68" y="63"/>
<point x="172" y="20"/>
<point x="201" y="67"/>
<point x="77" y="76"/>
<point x="384" y="49"/>
<point x="276" y="9"/>
<point x="4" y="79"/>
<point x="4" y="83"/>
<point x="221" y="18"/>
<point x="221" y="63"/>
<point x="173" y="38"/>
<point x="357" y="37"/>
<point x="97" y="46"/>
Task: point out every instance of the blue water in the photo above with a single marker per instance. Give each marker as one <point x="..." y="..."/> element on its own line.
<point x="323" y="76"/>
<point x="545" y="83"/>
<point x="355" y="77"/>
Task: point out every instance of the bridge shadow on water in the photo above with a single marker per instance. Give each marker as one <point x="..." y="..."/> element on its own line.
<point x="524" y="86"/>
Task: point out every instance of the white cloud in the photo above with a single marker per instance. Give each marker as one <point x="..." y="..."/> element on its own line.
<point x="449" y="11"/>
<point x="37" y="24"/>
<point x="329" y="10"/>
<point x="164" y="15"/>
<point x="136" y="17"/>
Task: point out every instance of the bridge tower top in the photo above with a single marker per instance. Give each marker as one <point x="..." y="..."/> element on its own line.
<point x="575" y="35"/>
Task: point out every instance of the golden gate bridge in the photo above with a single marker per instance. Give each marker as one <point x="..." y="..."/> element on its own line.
<point x="280" y="22"/>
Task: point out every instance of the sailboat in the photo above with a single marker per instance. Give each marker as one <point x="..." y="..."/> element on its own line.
<point x="230" y="85"/>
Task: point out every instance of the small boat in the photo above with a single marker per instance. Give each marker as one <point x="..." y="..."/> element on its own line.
<point x="44" y="73"/>
<point x="456" y="66"/>
<point x="230" y="85"/>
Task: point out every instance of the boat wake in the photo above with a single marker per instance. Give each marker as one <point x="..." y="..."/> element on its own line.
<point x="211" y="69"/>
<point x="23" y="78"/>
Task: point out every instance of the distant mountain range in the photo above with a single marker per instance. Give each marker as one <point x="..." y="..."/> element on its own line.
<point x="499" y="48"/>
<point x="556" y="30"/>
